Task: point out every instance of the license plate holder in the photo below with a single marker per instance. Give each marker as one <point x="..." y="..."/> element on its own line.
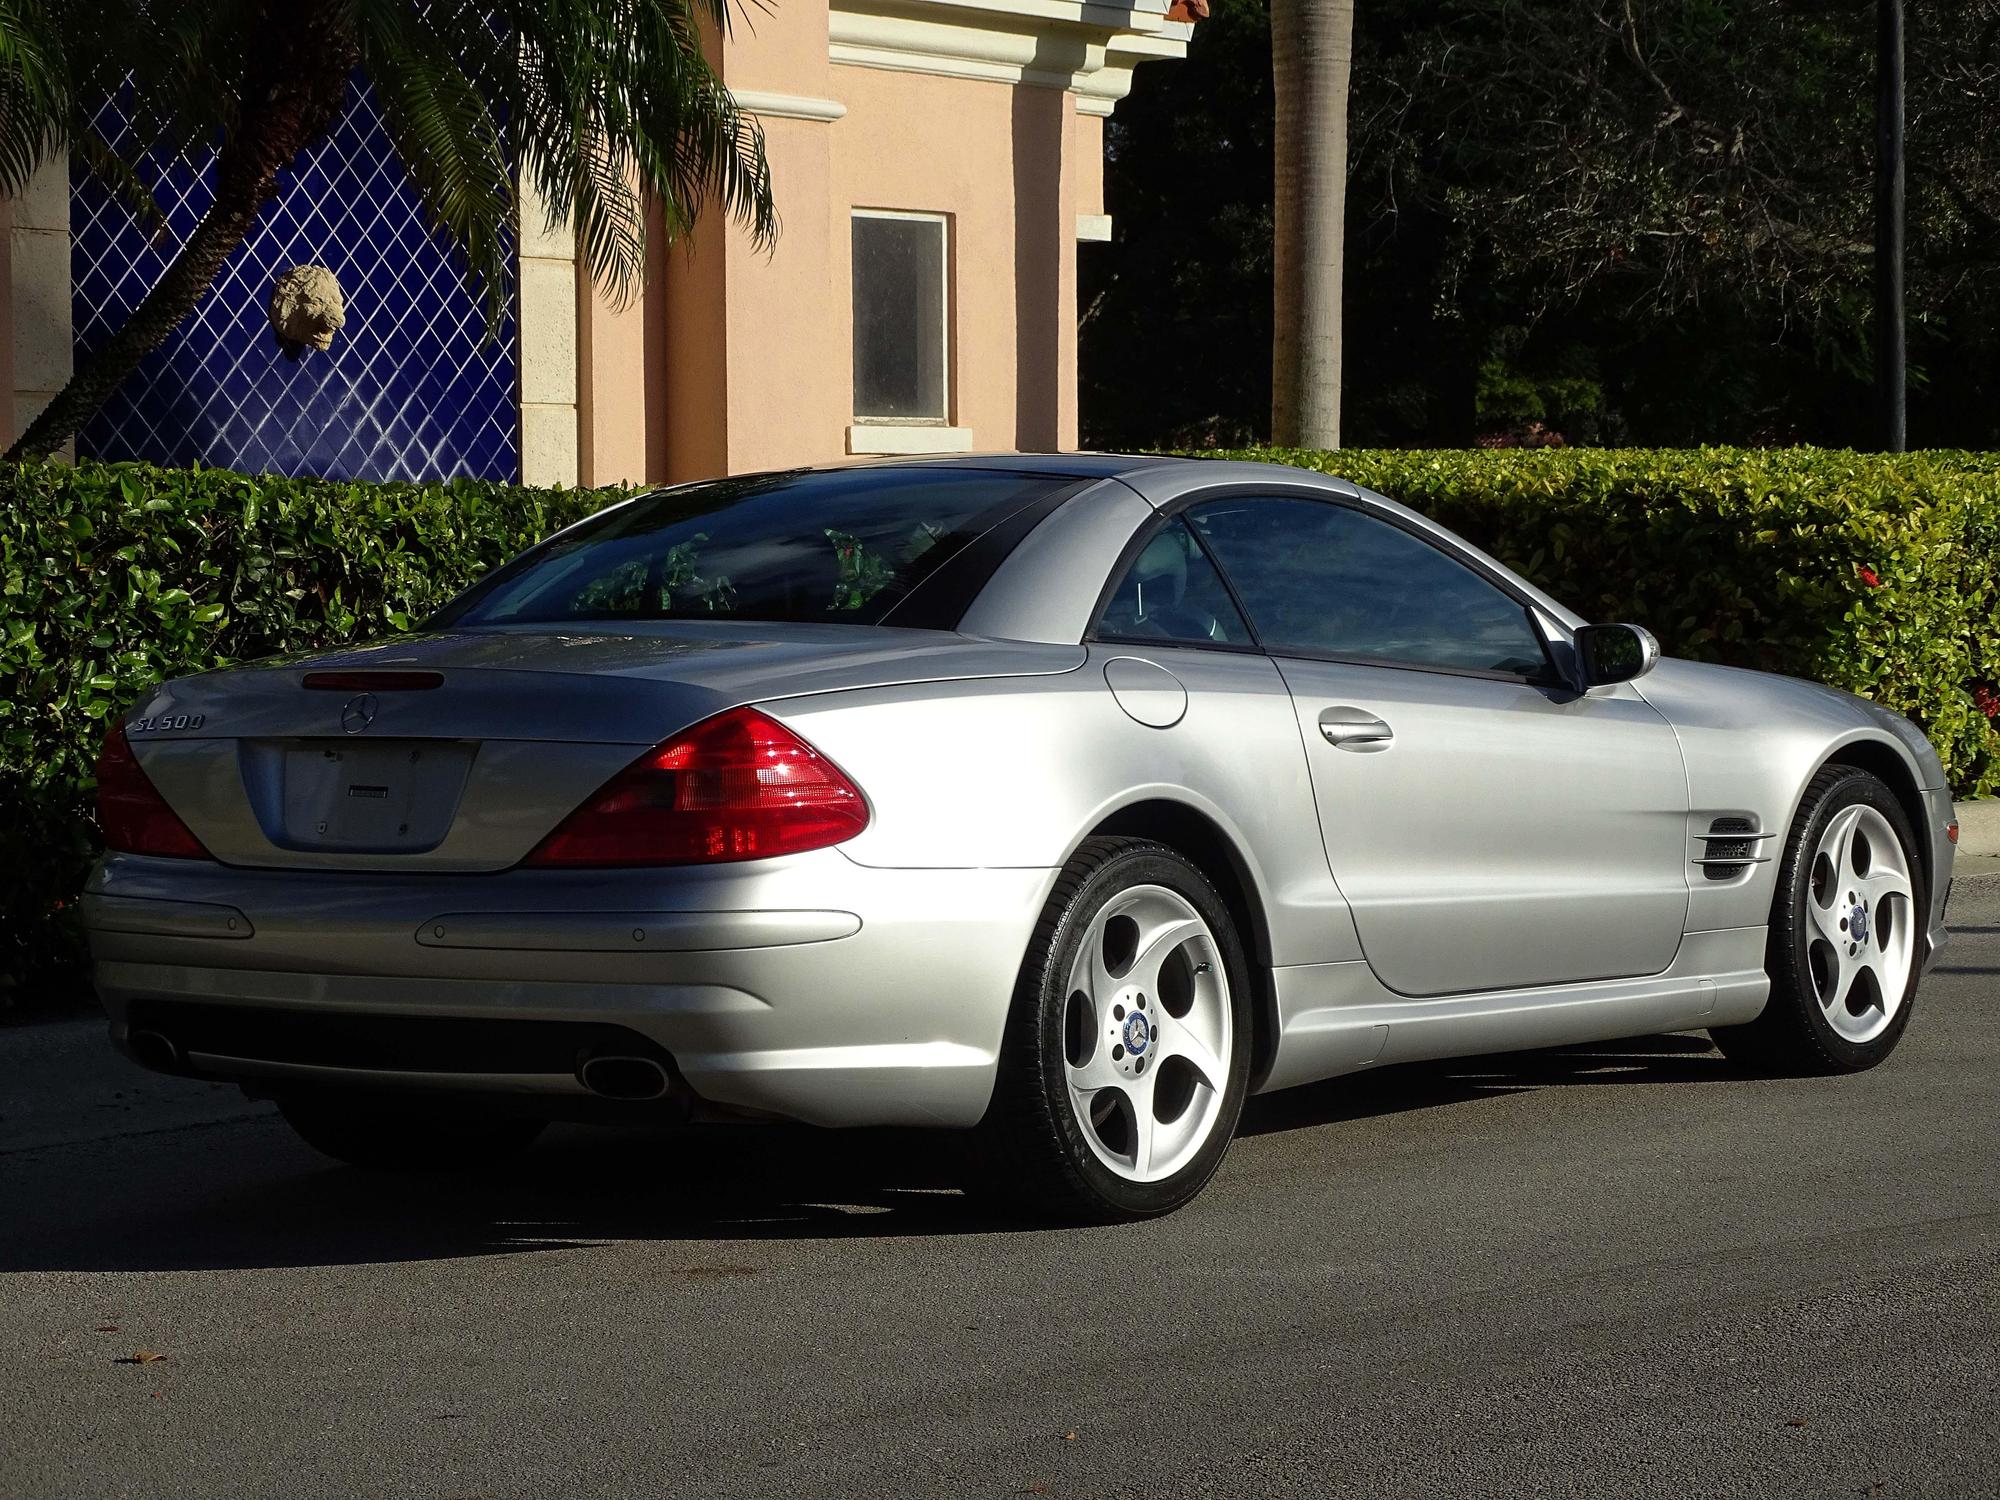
<point x="386" y="797"/>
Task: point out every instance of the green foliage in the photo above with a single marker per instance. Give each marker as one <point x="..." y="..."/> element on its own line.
<point x="1667" y="201"/>
<point x="1527" y="404"/>
<point x="114" y="577"/>
<point x="607" y="107"/>
<point x="863" y="573"/>
<point x="1753" y="558"/>
<point x="641" y="587"/>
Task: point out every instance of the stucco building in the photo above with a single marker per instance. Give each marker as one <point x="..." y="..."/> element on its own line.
<point x="937" y="164"/>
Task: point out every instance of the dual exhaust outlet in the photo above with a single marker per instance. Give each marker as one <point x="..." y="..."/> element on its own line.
<point x="620" y="1075"/>
<point x="632" y="1077"/>
<point x="157" y="1050"/>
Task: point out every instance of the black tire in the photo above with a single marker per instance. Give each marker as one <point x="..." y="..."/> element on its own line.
<point x="1792" y="1034"/>
<point x="392" y="1135"/>
<point x="1030" y="1154"/>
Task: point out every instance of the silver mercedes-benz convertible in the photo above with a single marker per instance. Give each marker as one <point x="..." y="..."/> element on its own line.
<point x="1064" y="801"/>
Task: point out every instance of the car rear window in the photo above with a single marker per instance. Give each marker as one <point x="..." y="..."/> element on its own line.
<point x="843" y="546"/>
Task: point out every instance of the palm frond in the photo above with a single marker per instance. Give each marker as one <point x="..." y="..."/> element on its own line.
<point x="445" y="132"/>
<point x="34" y="91"/>
<point x="605" y="106"/>
<point x="170" y="73"/>
<point x="608" y="105"/>
<point x="121" y="177"/>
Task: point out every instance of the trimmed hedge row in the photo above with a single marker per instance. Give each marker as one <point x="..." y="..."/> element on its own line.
<point x="1875" y="574"/>
<point x="115" y="576"/>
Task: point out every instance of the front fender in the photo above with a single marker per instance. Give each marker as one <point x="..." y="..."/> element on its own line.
<point x="1752" y="742"/>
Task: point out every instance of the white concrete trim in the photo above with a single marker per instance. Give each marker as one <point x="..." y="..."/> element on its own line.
<point x="788" y="106"/>
<point x="907" y="437"/>
<point x="1107" y="15"/>
<point x="44" y="339"/>
<point x="1099" y="93"/>
<point x="902" y="44"/>
<point x="545" y="320"/>
<point x="1088" y="49"/>
<point x="1094" y="228"/>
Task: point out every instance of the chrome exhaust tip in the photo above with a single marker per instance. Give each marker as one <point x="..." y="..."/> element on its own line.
<point x="156" y="1050"/>
<point x="619" y="1076"/>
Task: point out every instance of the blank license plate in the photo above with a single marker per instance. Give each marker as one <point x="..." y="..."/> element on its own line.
<point x="387" y="797"/>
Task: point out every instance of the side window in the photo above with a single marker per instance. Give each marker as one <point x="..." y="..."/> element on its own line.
<point x="1336" y="581"/>
<point x="1172" y="593"/>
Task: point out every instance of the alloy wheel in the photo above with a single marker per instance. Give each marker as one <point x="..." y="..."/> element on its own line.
<point x="1147" y="1033"/>
<point x="1861" y="921"/>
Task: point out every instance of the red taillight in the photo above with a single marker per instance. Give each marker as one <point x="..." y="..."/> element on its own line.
<point x="737" y="786"/>
<point x="134" y="817"/>
<point x="1951" y="831"/>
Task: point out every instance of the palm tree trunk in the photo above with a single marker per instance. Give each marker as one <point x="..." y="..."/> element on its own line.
<point x="1312" y="48"/>
<point x="172" y="298"/>
<point x="294" y="98"/>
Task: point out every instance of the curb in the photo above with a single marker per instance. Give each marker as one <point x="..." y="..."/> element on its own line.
<point x="1978" y="826"/>
<point x="1981" y="870"/>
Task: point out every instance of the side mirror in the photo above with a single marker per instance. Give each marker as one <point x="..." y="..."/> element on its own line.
<point x="1613" y="653"/>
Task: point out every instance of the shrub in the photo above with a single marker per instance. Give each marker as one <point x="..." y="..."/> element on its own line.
<point x="1870" y="572"/>
<point x="115" y="576"/>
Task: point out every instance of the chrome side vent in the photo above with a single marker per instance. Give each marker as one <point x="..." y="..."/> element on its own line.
<point x="1730" y="847"/>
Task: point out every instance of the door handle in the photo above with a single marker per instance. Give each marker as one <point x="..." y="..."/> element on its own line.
<point x="1355" y="729"/>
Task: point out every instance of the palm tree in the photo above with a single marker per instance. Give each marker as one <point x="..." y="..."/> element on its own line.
<point x="1312" y="49"/>
<point x="602" y="105"/>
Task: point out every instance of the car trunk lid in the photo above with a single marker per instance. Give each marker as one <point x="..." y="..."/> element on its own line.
<point x="461" y="751"/>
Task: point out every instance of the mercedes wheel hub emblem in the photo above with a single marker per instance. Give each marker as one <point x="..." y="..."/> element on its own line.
<point x="1137" y="1033"/>
<point x="358" y="714"/>
<point x="1857" y="924"/>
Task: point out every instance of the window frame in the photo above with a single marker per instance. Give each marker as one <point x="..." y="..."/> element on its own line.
<point x="1126" y="562"/>
<point x="1531" y="611"/>
<point x="947" y="387"/>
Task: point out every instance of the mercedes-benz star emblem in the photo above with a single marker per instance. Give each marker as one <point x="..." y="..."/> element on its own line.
<point x="358" y="714"/>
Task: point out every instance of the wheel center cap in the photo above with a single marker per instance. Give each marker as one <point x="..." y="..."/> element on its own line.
<point x="1857" y="924"/>
<point x="1138" y="1033"/>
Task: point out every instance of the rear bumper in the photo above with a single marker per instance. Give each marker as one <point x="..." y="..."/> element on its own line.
<point x="809" y="988"/>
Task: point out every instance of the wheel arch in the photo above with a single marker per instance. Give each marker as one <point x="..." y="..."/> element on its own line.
<point x="1888" y="765"/>
<point x="1195" y="834"/>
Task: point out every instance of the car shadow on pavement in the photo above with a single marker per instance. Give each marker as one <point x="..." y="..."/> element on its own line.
<point x="1399" y="1089"/>
<point x="244" y="1193"/>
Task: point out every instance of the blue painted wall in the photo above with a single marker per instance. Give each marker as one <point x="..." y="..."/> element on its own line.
<point x="411" y="388"/>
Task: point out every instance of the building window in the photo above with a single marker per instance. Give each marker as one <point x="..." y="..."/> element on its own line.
<point x="902" y="317"/>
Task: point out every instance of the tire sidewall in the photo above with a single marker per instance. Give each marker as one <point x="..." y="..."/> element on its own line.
<point x="1791" y="932"/>
<point x="1144" y="865"/>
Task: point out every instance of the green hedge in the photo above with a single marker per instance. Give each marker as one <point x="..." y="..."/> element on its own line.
<point x="1872" y="572"/>
<point x="115" y="576"/>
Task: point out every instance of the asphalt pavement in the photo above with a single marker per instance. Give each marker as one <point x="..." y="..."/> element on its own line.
<point x="1617" y="1270"/>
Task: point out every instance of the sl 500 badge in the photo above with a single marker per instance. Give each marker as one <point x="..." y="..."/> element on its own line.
<point x="164" y="723"/>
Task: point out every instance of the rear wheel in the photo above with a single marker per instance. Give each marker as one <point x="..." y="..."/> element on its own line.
<point x="392" y="1135"/>
<point x="1846" y="934"/>
<point x="1127" y="1053"/>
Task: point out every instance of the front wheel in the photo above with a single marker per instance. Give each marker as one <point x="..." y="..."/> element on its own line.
<point x="1127" y="1053"/>
<point x="391" y="1135"/>
<point x="1846" y="937"/>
